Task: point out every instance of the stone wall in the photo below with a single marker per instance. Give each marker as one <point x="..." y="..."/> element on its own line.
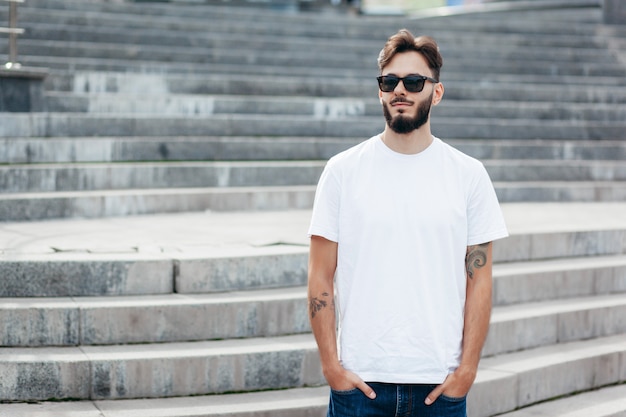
<point x="21" y="90"/>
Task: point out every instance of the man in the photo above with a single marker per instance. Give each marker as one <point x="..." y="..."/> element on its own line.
<point x="401" y="231"/>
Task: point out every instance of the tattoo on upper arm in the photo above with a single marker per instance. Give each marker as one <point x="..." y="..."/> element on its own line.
<point x="475" y="258"/>
<point x="317" y="304"/>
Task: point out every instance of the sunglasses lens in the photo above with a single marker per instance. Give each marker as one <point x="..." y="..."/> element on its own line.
<point x="414" y="84"/>
<point x="388" y="83"/>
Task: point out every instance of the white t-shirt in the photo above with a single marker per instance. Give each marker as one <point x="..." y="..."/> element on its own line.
<point x="403" y="224"/>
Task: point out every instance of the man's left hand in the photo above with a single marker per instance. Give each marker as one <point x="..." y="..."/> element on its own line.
<point x="456" y="385"/>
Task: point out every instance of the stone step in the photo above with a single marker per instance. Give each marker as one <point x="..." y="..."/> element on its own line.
<point x="555" y="191"/>
<point x="102" y="265"/>
<point x="47" y="178"/>
<point x="199" y="55"/>
<point x="82" y="321"/>
<point x="71" y="270"/>
<point x="219" y="43"/>
<point x="603" y="402"/>
<point x="195" y="253"/>
<point x="531" y="325"/>
<point x="539" y="170"/>
<point x="159" y="370"/>
<point x="86" y="270"/>
<point x="41" y="25"/>
<point x="203" y="148"/>
<point x="337" y="86"/>
<point x="106" y="56"/>
<point x="153" y="7"/>
<point x="363" y="26"/>
<point x="107" y="203"/>
<point x="299" y="402"/>
<point x="535" y="281"/>
<point x="295" y="402"/>
<point x="96" y="204"/>
<point x="192" y="80"/>
<point x="298" y="24"/>
<point x="514" y="380"/>
<point x="207" y="105"/>
<point x="40" y="322"/>
<point x="80" y="124"/>
<point x="93" y="177"/>
<point x="119" y="372"/>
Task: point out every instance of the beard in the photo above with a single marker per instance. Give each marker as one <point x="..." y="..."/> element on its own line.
<point x="404" y="124"/>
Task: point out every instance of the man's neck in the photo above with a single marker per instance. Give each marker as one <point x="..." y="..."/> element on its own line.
<point x="410" y="143"/>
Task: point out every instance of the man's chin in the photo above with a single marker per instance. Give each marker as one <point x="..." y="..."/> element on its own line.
<point x="404" y="125"/>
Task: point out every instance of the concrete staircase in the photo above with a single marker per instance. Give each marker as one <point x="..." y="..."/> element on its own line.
<point x="148" y="101"/>
<point x="167" y="109"/>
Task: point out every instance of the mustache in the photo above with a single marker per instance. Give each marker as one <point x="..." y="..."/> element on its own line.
<point x="400" y="100"/>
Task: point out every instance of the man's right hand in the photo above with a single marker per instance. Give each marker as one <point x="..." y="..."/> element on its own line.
<point x="341" y="379"/>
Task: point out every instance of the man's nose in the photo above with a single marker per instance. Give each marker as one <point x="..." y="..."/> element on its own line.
<point x="400" y="89"/>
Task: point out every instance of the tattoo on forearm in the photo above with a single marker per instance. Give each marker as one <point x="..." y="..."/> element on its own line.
<point x="475" y="258"/>
<point x="316" y="304"/>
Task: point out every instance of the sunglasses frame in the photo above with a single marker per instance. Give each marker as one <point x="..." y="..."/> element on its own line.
<point x="415" y="77"/>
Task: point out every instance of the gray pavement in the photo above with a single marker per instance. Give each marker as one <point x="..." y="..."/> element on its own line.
<point x="221" y="233"/>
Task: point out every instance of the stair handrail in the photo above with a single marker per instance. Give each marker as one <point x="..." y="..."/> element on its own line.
<point x="13" y="31"/>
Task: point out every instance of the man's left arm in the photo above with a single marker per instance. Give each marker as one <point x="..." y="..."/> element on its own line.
<point x="478" y="261"/>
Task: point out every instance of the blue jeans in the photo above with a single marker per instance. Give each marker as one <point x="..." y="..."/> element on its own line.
<point x="392" y="400"/>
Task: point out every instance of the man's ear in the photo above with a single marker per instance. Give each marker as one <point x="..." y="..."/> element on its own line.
<point x="438" y="93"/>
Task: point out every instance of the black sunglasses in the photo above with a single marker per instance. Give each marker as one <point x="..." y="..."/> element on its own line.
<point x="412" y="83"/>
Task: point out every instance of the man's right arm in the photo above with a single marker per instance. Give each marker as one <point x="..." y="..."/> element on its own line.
<point x="322" y="266"/>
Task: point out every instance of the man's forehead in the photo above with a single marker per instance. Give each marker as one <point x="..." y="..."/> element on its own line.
<point x="406" y="63"/>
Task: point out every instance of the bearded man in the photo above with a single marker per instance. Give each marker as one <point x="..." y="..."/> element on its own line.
<point x="401" y="238"/>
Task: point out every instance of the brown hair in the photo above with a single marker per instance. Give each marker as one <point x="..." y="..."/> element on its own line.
<point x="404" y="41"/>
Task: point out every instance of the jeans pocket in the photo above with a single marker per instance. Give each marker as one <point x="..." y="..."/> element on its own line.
<point x="344" y="392"/>
<point x="348" y="403"/>
<point x="453" y="399"/>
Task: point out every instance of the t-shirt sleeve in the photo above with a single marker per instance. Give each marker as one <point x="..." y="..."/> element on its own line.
<point x="325" y="217"/>
<point x="485" y="221"/>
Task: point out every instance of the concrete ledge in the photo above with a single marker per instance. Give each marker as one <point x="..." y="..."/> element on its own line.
<point x="32" y="322"/>
<point x="44" y="178"/>
<point x="298" y="402"/>
<point x="195" y="105"/>
<point x="600" y="191"/>
<point x="271" y="313"/>
<point x="85" y="124"/>
<point x="273" y="266"/>
<point x="532" y="325"/>
<point x="599" y="271"/>
<point x="21" y="89"/>
<point x="507" y="382"/>
<point x="553" y="279"/>
<point x="206" y="148"/>
<point x="159" y="370"/>
<point x="538" y="246"/>
<point x="85" y="275"/>
<point x="25" y="207"/>
<point x="605" y="402"/>
<point x="48" y="178"/>
<point x="176" y="369"/>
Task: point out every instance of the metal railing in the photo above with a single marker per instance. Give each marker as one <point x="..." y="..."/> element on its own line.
<point x="13" y="31"/>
